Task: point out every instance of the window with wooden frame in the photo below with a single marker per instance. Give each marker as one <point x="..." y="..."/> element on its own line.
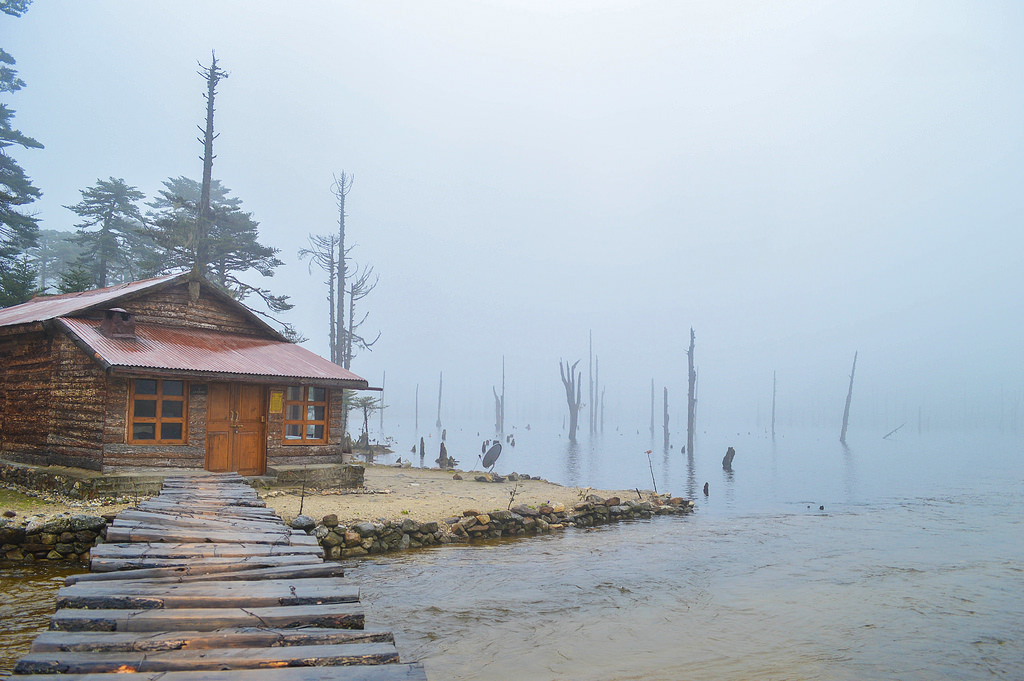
<point x="305" y="415"/>
<point x="157" y="411"/>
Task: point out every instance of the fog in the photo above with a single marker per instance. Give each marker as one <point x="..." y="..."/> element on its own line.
<point x="796" y="181"/>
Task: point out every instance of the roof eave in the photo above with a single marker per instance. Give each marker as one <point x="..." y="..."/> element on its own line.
<point x="348" y="384"/>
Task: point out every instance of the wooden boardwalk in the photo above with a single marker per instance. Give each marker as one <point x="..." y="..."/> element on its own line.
<point x="204" y="583"/>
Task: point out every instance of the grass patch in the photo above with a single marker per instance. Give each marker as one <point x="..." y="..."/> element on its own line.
<point x="16" y="501"/>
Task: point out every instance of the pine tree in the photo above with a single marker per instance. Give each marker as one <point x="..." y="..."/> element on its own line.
<point x="232" y="245"/>
<point x="17" y="280"/>
<point x="110" y="231"/>
<point x="18" y="229"/>
<point x="74" y="279"/>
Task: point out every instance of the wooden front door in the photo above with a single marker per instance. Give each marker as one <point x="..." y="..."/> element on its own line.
<point x="234" y="429"/>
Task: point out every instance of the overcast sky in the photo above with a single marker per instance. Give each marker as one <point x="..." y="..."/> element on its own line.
<point x="796" y="180"/>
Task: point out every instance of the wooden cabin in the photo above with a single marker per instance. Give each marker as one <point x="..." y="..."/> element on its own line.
<point x="166" y="372"/>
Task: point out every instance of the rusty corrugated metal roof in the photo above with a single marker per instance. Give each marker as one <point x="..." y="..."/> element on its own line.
<point x="189" y="350"/>
<point x="50" y="307"/>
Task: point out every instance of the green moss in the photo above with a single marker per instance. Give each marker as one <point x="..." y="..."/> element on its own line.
<point x="16" y="501"/>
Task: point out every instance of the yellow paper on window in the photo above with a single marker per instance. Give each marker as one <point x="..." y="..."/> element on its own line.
<point x="276" y="401"/>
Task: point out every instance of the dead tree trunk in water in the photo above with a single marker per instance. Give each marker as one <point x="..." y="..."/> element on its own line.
<point x="664" y="418"/>
<point x="573" y="394"/>
<point x="849" y="396"/>
<point x="691" y="397"/>
<point x="440" y="386"/>
<point x="773" y="405"/>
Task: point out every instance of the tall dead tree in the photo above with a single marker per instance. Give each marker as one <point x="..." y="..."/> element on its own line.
<point x="360" y="286"/>
<point x="597" y="391"/>
<point x="573" y="384"/>
<point x="499" y="403"/>
<point x="849" y="396"/>
<point x="440" y="387"/>
<point x="691" y="396"/>
<point x="664" y="417"/>
<point x="212" y="75"/>
<point x="340" y="188"/>
<point x="323" y="252"/>
<point x="602" y="411"/>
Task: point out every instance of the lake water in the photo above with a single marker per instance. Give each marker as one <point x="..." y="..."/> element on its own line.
<point x="914" y="569"/>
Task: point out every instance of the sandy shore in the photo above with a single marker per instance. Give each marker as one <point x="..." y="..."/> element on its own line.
<point x="389" y="493"/>
<point x="426" y="495"/>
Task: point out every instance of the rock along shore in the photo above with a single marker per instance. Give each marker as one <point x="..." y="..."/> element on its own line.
<point x="364" y="538"/>
<point x="398" y="509"/>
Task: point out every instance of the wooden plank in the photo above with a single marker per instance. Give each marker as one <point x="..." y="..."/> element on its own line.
<point x="379" y="672"/>
<point x="216" y="594"/>
<point x="211" y="659"/>
<point x="231" y="572"/>
<point x="331" y="615"/>
<point x="200" y="550"/>
<point x="167" y="506"/>
<point x="198" y="534"/>
<point x="110" y="641"/>
<point x="193" y="517"/>
<point x="127" y="565"/>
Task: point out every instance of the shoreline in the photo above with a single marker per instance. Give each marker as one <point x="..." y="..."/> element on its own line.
<point x="397" y="508"/>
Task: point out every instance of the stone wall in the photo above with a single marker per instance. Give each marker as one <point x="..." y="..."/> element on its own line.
<point x="363" y="538"/>
<point x="66" y="538"/>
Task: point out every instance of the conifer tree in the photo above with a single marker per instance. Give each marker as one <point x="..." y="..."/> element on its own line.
<point x="110" y="231"/>
<point x="18" y="228"/>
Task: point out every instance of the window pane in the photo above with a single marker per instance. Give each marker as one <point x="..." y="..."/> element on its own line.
<point x="314" y="413"/>
<point x="294" y="412"/>
<point x="174" y="387"/>
<point x="294" y="393"/>
<point x="292" y="431"/>
<point x="145" y="408"/>
<point x="317" y="394"/>
<point x="171" y="409"/>
<point x="144" y="431"/>
<point x="170" y="431"/>
<point x="145" y="386"/>
<point x="314" y="432"/>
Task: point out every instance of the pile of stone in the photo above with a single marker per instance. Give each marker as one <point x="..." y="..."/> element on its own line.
<point x="362" y="538"/>
<point x="63" y="538"/>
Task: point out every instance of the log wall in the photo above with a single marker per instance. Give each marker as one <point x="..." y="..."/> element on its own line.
<point x="172" y="307"/>
<point x="77" y="406"/>
<point x="280" y="454"/>
<point x="117" y="452"/>
<point x="27" y="376"/>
